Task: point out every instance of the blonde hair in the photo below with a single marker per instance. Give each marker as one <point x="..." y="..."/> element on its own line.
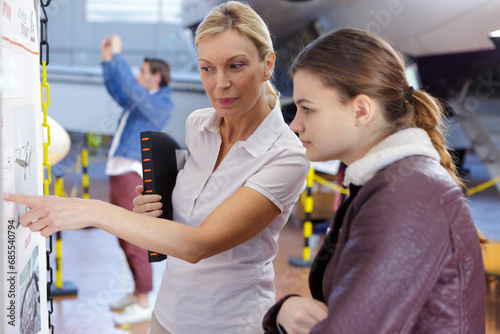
<point x="239" y="16"/>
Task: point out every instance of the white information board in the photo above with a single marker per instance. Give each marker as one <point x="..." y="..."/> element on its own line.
<point x="23" y="254"/>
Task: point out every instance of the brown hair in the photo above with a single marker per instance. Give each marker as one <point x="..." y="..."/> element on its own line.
<point x="159" y="66"/>
<point x="239" y="16"/>
<point x="360" y="62"/>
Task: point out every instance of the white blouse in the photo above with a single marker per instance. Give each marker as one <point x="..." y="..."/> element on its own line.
<point x="230" y="292"/>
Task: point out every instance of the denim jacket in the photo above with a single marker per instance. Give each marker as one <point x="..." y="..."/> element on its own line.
<point x="148" y="112"/>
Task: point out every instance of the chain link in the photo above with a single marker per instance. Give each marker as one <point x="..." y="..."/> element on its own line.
<point x="47" y="179"/>
<point x="44" y="44"/>
<point x="47" y="173"/>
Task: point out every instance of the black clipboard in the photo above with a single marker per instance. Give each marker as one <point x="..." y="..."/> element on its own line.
<point x="159" y="168"/>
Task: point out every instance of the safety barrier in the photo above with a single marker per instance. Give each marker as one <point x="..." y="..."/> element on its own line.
<point x="305" y="259"/>
<point x="85" y="175"/>
<point x="61" y="288"/>
<point x="307" y="226"/>
<point x="483" y="186"/>
<point x="45" y="102"/>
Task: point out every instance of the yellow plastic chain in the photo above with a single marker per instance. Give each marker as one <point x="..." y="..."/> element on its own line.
<point x="331" y="185"/>
<point x="47" y="178"/>
<point x="483" y="186"/>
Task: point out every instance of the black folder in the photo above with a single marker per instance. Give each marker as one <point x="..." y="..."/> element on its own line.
<point x="159" y="168"/>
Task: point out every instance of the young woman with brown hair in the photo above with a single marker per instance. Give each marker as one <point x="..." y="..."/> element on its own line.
<point x="403" y="254"/>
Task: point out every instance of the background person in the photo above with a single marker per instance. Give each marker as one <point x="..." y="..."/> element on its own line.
<point x="403" y="254"/>
<point x="244" y="171"/>
<point x="147" y="106"/>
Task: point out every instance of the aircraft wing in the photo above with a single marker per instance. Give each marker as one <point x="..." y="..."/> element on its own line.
<point x="423" y="27"/>
<point x="417" y="27"/>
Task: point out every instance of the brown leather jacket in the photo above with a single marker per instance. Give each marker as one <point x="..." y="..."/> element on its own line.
<point x="406" y="259"/>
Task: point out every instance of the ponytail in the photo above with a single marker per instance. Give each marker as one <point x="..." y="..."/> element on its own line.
<point x="272" y="94"/>
<point x="428" y="114"/>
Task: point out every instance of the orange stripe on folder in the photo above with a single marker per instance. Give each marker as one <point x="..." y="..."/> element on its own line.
<point x="148" y="180"/>
<point x="146" y="160"/>
<point x="145" y="149"/>
<point x="149" y="191"/>
<point x="144" y="139"/>
<point x="147" y="170"/>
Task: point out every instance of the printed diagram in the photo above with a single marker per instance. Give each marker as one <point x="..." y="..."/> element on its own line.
<point x="30" y="292"/>
<point x="8" y="160"/>
<point x="24" y="157"/>
<point x="21" y="210"/>
<point x="23" y="252"/>
<point x="7" y="173"/>
<point x="29" y="307"/>
<point x="24" y="150"/>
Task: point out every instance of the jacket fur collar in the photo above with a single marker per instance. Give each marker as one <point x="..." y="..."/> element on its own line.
<point x="402" y="144"/>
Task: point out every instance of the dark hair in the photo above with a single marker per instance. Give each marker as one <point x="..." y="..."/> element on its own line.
<point x="355" y="62"/>
<point x="159" y="66"/>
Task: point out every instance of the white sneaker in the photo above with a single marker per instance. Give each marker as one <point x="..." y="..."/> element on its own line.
<point x="125" y="301"/>
<point x="133" y="314"/>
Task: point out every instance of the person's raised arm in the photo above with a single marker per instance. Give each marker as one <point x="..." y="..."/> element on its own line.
<point x="152" y="106"/>
<point x="124" y="88"/>
<point x="106" y="51"/>
<point x="110" y="46"/>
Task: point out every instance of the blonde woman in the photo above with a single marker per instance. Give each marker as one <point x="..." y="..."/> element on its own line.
<point x="244" y="171"/>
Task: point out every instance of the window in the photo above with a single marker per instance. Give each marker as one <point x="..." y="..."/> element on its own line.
<point x="138" y="11"/>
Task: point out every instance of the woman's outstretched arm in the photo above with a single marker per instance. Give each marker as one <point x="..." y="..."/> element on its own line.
<point x="219" y="232"/>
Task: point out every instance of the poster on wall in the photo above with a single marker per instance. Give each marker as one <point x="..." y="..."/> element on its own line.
<point x="24" y="288"/>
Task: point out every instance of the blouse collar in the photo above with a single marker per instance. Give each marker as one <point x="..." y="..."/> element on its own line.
<point x="262" y="138"/>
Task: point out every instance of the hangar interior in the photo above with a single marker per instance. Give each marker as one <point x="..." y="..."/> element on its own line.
<point x="164" y="29"/>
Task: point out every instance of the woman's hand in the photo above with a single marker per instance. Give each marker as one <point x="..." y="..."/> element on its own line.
<point x="50" y="214"/>
<point x="149" y="205"/>
<point x="298" y="315"/>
